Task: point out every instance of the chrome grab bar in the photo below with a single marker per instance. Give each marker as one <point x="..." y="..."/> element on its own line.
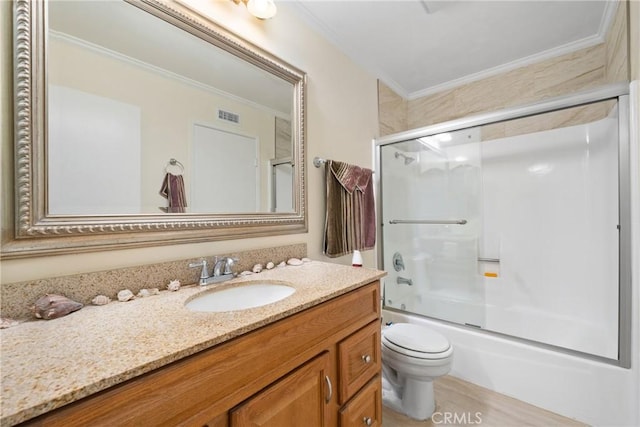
<point x="489" y="259"/>
<point x="428" y="221"/>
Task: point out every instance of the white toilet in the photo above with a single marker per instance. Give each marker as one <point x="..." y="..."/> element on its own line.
<point x="412" y="357"/>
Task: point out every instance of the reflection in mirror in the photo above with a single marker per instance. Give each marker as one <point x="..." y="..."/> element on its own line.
<point x="125" y="98"/>
<point x="141" y="122"/>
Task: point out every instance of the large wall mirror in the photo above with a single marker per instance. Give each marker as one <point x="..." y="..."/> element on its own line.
<point x="140" y="122"/>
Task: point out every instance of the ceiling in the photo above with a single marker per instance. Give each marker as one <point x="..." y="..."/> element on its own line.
<point x="419" y="47"/>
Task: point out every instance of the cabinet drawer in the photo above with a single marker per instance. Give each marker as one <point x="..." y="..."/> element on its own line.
<point x="359" y="356"/>
<point x="366" y="408"/>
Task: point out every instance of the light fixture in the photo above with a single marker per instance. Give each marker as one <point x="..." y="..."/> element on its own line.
<point x="261" y="9"/>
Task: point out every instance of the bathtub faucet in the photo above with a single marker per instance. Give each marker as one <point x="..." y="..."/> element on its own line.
<point x="405" y="281"/>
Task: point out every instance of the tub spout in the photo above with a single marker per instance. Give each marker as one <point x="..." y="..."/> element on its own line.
<point x="404" y="280"/>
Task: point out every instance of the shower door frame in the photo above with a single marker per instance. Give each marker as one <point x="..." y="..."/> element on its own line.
<point x="619" y="92"/>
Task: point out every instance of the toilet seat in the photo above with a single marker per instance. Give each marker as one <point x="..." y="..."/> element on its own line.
<point x="416" y="341"/>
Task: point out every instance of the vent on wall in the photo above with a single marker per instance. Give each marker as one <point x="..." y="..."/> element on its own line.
<point x="229" y="117"/>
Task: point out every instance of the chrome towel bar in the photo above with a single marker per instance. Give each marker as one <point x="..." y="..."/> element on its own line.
<point x="428" y="221"/>
<point x="489" y="259"/>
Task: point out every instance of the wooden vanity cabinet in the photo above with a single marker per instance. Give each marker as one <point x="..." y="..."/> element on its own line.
<point x="319" y="367"/>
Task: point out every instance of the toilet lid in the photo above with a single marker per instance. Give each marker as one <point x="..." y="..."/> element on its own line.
<point x="416" y="338"/>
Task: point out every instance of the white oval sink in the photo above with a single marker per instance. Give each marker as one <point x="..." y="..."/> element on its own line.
<point x="251" y="295"/>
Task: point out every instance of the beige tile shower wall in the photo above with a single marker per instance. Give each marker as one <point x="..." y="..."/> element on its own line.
<point x="587" y="68"/>
<point x="634" y="39"/>
<point x="392" y="111"/>
<point x="617" y="46"/>
<point x="554" y="77"/>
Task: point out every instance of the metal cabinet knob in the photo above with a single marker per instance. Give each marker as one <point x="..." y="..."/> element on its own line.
<point x="367" y="421"/>
<point x="366" y="358"/>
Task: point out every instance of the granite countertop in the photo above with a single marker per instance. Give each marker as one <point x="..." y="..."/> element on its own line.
<point x="47" y="364"/>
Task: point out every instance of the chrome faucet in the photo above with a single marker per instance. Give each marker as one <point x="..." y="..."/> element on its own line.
<point x="221" y="270"/>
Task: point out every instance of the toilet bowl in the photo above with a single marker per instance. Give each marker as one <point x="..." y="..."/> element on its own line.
<point x="412" y="357"/>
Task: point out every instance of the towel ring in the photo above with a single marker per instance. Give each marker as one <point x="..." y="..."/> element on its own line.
<point x="174" y="162"/>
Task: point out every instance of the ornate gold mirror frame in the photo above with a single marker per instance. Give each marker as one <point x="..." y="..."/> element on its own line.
<point x="38" y="233"/>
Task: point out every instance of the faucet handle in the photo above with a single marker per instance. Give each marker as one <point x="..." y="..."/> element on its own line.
<point x="204" y="274"/>
<point x="228" y="264"/>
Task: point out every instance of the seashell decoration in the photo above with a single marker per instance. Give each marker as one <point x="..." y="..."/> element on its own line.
<point x="125" y="295"/>
<point x="294" y="261"/>
<point x="269" y="265"/>
<point x="174" y="285"/>
<point x="53" y="306"/>
<point x="246" y="273"/>
<point x="306" y="260"/>
<point x="257" y="268"/>
<point x="282" y="264"/>
<point x="100" y="300"/>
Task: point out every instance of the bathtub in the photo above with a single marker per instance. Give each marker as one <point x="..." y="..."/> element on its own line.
<point x="590" y="391"/>
<point x="583" y="334"/>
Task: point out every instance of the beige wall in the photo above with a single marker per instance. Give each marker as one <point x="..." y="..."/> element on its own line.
<point x="341" y="122"/>
<point x="591" y="67"/>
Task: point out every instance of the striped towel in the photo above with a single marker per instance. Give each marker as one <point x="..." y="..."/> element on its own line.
<point x="173" y="190"/>
<point x="350" y="218"/>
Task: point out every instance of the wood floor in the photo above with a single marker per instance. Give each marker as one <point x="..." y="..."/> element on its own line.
<point x="459" y="403"/>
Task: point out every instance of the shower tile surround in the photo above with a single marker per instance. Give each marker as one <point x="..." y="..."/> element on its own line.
<point x="17" y="298"/>
<point x="587" y="68"/>
<point x="392" y="111"/>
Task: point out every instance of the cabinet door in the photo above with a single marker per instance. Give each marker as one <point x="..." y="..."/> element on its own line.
<point x="300" y="398"/>
<point x="365" y="409"/>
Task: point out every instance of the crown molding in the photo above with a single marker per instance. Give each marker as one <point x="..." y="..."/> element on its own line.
<point x="600" y="37"/>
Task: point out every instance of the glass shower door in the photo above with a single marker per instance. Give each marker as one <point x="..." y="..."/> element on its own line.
<point x="430" y="206"/>
<point x="514" y="226"/>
